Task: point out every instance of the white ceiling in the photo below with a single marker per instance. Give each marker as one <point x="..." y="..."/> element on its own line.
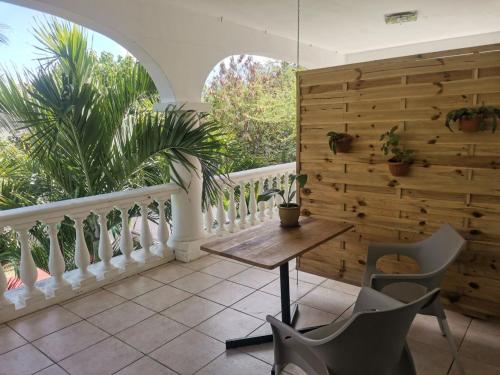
<point x="349" y="26"/>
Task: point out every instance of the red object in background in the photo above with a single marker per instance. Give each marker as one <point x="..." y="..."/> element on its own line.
<point x="14" y="282"/>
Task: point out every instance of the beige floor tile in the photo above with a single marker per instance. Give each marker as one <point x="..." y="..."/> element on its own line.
<point x="264" y="329"/>
<point x="342" y="287"/>
<point x="226" y="292"/>
<point x="234" y="362"/>
<point x="104" y="358"/>
<point x="145" y="366"/>
<point x="296" y="291"/>
<point x="259" y="304"/>
<point x="67" y="341"/>
<point x="264" y="352"/>
<point x="52" y="370"/>
<point x="167" y="274"/>
<point x="311" y="317"/>
<point x="93" y="303"/>
<point x="306" y="277"/>
<point x="200" y="263"/>
<point x="162" y="298"/>
<point x="328" y="300"/>
<point x="189" y="352"/>
<point x="9" y="339"/>
<point x="24" y="360"/>
<point x="133" y="286"/>
<point x="120" y="317"/>
<point x="224" y="269"/>
<point x="196" y="282"/>
<point x="425" y="329"/>
<point x="428" y="360"/>
<point x="229" y="324"/>
<point x="43" y="322"/>
<point x="193" y="311"/>
<point x="482" y="342"/>
<point x="152" y="333"/>
<point x="473" y="367"/>
<point x="254" y="278"/>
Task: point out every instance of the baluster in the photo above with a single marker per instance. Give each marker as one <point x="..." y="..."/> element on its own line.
<point x="252" y="203"/>
<point x="105" y="249"/>
<point x="286" y="188"/>
<point x="5" y="304"/>
<point x="232" y="210"/>
<point x="270" y="201"/>
<point x="279" y="200"/>
<point x="294" y="188"/>
<point x="56" y="259"/>
<point x="145" y="238"/>
<point x="28" y="271"/>
<point x="221" y="214"/>
<point x="126" y="242"/>
<point x="209" y="219"/>
<point x="82" y="255"/>
<point x="261" y="204"/>
<point x="162" y="233"/>
<point x="243" y="206"/>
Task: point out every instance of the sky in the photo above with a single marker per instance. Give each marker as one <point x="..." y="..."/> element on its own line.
<point x="19" y="51"/>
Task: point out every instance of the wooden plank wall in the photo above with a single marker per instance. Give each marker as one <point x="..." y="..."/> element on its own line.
<point x="454" y="179"/>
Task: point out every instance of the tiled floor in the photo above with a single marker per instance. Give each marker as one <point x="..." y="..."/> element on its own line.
<point x="174" y="320"/>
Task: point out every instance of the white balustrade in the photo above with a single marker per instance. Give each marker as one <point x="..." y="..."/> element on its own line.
<point x="92" y="273"/>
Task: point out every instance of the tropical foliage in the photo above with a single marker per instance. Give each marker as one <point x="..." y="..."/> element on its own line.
<point x="391" y="145"/>
<point x="287" y="197"/>
<point x="254" y="101"/>
<point x="481" y="113"/>
<point x="82" y="125"/>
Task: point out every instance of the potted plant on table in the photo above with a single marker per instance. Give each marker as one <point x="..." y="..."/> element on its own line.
<point x="289" y="212"/>
<point x="399" y="163"/>
<point x="473" y="119"/>
<point x="339" y="142"/>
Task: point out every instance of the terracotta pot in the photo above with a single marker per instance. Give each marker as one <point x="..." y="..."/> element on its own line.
<point x="470" y="125"/>
<point x="344" y="145"/>
<point x="289" y="216"/>
<point x="398" y="169"/>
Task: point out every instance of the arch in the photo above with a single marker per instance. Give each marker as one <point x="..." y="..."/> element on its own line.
<point x="157" y="75"/>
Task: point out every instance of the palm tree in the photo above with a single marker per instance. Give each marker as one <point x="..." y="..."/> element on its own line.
<point x="91" y="135"/>
<point x="3" y="37"/>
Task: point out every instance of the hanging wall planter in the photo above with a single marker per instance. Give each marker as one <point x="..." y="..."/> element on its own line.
<point x="399" y="164"/>
<point x="339" y="142"/>
<point x="472" y="120"/>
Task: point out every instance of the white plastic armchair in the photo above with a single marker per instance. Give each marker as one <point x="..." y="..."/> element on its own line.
<point x="371" y="341"/>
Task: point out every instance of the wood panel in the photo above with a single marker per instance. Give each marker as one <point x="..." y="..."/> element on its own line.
<point x="455" y="177"/>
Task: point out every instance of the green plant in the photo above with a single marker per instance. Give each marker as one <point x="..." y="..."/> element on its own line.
<point x="287" y="201"/>
<point x="482" y="113"/>
<point x="391" y="145"/>
<point x="336" y="138"/>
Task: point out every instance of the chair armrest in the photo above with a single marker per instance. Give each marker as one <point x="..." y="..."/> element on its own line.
<point x="369" y="299"/>
<point x="378" y="250"/>
<point x="380" y="280"/>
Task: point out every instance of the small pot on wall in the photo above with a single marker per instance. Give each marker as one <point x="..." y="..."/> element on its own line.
<point x="470" y="125"/>
<point x="343" y="145"/>
<point x="289" y="215"/>
<point x="398" y="168"/>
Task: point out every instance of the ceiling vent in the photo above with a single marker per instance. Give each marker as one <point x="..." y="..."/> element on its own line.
<point x="400" y="17"/>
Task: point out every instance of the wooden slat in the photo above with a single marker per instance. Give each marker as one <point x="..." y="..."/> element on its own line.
<point x="455" y="177"/>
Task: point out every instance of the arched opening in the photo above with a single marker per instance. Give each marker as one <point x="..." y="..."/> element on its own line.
<point x="253" y="97"/>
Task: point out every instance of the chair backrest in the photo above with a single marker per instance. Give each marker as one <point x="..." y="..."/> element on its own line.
<point x="438" y="251"/>
<point x="372" y="342"/>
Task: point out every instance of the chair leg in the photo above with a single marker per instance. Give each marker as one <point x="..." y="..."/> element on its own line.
<point x="276" y="370"/>
<point x="445" y="329"/>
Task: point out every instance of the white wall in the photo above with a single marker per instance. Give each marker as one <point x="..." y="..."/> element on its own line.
<point x="179" y="47"/>
<point x="433" y="46"/>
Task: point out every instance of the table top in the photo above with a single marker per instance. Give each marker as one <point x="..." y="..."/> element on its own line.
<point x="269" y="245"/>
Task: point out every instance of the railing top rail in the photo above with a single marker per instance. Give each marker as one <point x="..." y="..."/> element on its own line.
<point x="82" y="206"/>
<point x="257" y="173"/>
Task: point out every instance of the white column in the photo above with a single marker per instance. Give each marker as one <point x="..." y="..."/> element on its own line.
<point x="126" y="242"/>
<point x="5" y="304"/>
<point x="105" y="248"/>
<point x="28" y="268"/>
<point x="209" y="219"/>
<point x="145" y="238"/>
<point x="82" y="255"/>
<point x="231" y="211"/>
<point x="56" y="260"/>
<point x="261" y="204"/>
<point x="221" y="214"/>
<point x="252" y="202"/>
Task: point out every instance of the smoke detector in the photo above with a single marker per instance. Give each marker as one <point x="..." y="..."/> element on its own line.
<point x="400" y="17"/>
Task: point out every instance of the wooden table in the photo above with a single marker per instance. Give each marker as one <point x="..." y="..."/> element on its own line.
<point x="269" y="246"/>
